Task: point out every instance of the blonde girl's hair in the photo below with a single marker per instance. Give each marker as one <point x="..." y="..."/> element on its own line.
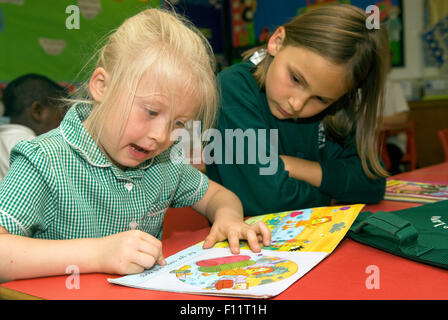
<point x="168" y="48"/>
<point x="338" y="33"/>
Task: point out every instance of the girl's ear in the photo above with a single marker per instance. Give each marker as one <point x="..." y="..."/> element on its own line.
<point x="97" y="84"/>
<point x="276" y="41"/>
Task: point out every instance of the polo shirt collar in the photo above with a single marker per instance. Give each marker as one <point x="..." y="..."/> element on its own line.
<point x="77" y="136"/>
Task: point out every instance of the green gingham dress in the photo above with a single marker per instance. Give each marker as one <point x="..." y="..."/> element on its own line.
<point x="61" y="186"/>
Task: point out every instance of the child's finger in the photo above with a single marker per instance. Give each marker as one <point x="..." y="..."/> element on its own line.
<point x="234" y="242"/>
<point x="148" y="243"/>
<point x="161" y="261"/>
<point x="263" y="230"/>
<point x="209" y="241"/>
<point x="144" y="260"/>
<point x="133" y="268"/>
<point x="252" y="240"/>
<point x="147" y="260"/>
<point x="152" y="246"/>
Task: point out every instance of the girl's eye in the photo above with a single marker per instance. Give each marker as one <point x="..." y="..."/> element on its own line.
<point x="152" y="113"/>
<point x="179" y="124"/>
<point x="322" y="100"/>
<point x="295" y="79"/>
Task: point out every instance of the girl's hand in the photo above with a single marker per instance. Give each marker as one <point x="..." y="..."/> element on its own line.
<point x="234" y="230"/>
<point x="223" y="208"/>
<point x="129" y="252"/>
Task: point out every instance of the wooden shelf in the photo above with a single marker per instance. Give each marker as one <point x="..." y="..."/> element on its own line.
<point x="429" y="117"/>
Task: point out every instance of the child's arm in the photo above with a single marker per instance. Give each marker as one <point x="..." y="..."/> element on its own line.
<point x="339" y="174"/>
<point x="305" y="170"/>
<point x="123" y="253"/>
<point x="395" y="120"/>
<point x="223" y="208"/>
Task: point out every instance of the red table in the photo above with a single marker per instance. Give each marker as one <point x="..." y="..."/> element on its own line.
<point x="342" y="275"/>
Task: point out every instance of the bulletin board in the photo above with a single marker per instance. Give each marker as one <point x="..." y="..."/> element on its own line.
<point x="252" y="21"/>
<point x="34" y="37"/>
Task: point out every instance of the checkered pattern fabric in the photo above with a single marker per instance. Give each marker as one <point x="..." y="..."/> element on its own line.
<point x="61" y="186"/>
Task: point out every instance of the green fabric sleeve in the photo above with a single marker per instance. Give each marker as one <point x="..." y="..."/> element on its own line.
<point x="343" y="176"/>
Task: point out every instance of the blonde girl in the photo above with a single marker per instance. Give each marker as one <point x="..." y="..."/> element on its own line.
<point x="318" y="82"/>
<point x="94" y="192"/>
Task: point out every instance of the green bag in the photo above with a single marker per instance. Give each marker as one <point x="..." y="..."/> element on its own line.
<point x="419" y="233"/>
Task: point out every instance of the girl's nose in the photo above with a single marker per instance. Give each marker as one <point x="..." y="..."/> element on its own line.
<point x="160" y="133"/>
<point x="298" y="102"/>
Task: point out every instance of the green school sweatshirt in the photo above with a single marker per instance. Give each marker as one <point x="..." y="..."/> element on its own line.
<point x="244" y="106"/>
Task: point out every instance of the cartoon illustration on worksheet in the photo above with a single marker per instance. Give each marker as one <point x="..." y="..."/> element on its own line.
<point x="308" y="230"/>
<point x="237" y="272"/>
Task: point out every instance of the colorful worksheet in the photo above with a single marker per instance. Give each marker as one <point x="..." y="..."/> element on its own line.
<point x="426" y="192"/>
<point x="300" y="240"/>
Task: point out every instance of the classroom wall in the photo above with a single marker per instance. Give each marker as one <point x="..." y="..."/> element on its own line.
<point x="420" y="77"/>
<point x="26" y="27"/>
<point x="42" y="36"/>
